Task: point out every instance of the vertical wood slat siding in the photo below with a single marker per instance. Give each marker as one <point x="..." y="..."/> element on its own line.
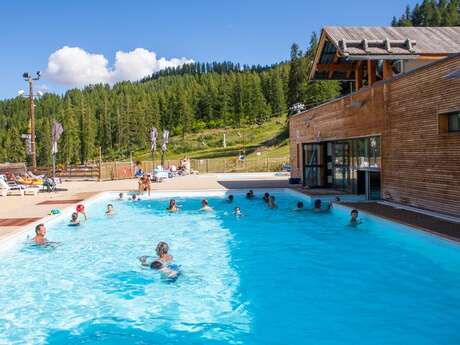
<point x="420" y="166"/>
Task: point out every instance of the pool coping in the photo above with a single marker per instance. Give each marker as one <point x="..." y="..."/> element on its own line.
<point x="13" y="238"/>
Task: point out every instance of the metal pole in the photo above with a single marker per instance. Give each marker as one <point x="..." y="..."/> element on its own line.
<point x="32" y="124"/>
<point x="54" y="166"/>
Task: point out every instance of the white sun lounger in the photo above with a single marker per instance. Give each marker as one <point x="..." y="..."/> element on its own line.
<point x="12" y="187"/>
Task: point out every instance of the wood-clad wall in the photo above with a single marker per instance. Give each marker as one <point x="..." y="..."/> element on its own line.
<point x="420" y="164"/>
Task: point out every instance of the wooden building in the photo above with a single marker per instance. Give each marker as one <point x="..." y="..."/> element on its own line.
<point x="397" y="138"/>
<point x="365" y="55"/>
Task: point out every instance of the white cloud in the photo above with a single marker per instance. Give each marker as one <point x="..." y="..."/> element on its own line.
<point x="73" y="66"/>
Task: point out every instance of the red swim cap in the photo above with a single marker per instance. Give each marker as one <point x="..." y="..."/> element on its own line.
<point x="80" y="208"/>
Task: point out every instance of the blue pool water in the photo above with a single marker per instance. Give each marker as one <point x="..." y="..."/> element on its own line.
<point x="269" y="277"/>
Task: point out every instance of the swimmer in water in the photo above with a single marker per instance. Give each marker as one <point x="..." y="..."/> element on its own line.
<point x="120" y="196"/>
<point x="158" y="265"/>
<point x="40" y="233"/>
<point x="205" y="206"/>
<point x="354" y="217"/>
<point x="162" y="252"/>
<point x="237" y="212"/>
<point x="299" y="206"/>
<point x="81" y="210"/>
<point x="109" y="211"/>
<point x="230" y="198"/>
<point x="318" y="204"/>
<point x="74" y="219"/>
<point x="250" y="195"/>
<point x="135" y="198"/>
<point x="266" y="197"/>
<point x="172" y="206"/>
<point x="271" y="201"/>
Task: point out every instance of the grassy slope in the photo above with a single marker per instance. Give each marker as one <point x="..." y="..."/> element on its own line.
<point x="271" y="139"/>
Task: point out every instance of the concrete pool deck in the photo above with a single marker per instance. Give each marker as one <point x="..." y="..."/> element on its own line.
<point x="16" y="212"/>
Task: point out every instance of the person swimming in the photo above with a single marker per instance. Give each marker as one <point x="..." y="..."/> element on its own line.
<point x="109" y="211"/>
<point x="74" y="221"/>
<point x="250" y="195"/>
<point x="266" y="197"/>
<point x="170" y="271"/>
<point x="120" y="196"/>
<point x="135" y="198"/>
<point x="205" y="206"/>
<point x="299" y="206"/>
<point x="40" y="233"/>
<point x="230" y="198"/>
<point x="318" y="204"/>
<point x="162" y="252"/>
<point x="354" y="217"/>
<point x="40" y="238"/>
<point x="237" y="211"/>
<point x="271" y="202"/>
<point x="81" y="210"/>
<point x="172" y="206"/>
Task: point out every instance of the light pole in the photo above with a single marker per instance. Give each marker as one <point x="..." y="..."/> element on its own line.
<point x="30" y="79"/>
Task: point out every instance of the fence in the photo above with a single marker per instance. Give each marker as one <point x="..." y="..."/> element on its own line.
<point x="125" y="169"/>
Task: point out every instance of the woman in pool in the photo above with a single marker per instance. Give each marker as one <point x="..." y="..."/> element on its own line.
<point x="237" y="212"/>
<point x="109" y="211"/>
<point x="120" y="196"/>
<point x="205" y="206"/>
<point x="172" y="206"/>
<point x="271" y="201"/>
<point x="135" y="198"/>
<point x="74" y="221"/>
<point x="230" y="198"/>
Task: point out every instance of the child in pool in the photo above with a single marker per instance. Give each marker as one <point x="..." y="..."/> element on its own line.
<point x="74" y="221"/>
<point x="81" y="210"/>
<point x="237" y="212"/>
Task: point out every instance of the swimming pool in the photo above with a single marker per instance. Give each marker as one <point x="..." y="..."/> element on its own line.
<point x="269" y="277"/>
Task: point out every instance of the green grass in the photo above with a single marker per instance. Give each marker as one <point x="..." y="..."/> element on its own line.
<point x="269" y="139"/>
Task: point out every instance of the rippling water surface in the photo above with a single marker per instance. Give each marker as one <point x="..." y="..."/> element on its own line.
<point x="269" y="277"/>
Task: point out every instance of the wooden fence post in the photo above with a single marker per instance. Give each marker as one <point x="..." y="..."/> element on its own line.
<point x="100" y="164"/>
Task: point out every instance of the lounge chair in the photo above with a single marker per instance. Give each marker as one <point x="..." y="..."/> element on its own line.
<point x="8" y="188"/>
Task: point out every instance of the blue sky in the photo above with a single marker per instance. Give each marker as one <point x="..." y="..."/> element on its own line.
<point x="249" y="32"/>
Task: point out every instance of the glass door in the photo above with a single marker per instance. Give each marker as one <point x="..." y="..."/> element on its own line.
<point x="313" y="171"/>
<point x="342" y="166"/>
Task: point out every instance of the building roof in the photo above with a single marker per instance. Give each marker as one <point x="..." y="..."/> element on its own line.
<point x="393" y="40"/>
<point x="339" y="47"/>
